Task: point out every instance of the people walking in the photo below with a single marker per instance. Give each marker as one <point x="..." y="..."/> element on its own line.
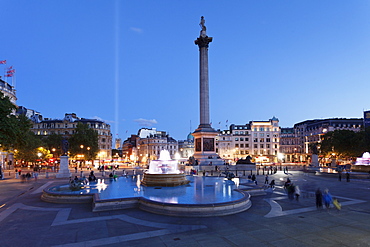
<point x="272" y="184"/>
<point x="297" y="192"/>
<point x="318" y="194"/>
<point x="347" y="176"/>
<point x="267" y="179"/>
<point x="254" y="179"/>
<point x="327" y="198"/>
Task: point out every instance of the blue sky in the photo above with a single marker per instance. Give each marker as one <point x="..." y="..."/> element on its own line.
<point x="134" y="64"/>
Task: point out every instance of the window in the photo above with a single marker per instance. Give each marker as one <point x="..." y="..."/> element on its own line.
<point x="261" y="146"/>
<point x="267" y="145"/>
<point x="247" y="145"/>
<point x="255" y="146"/>
<point x="246" y="139"/>
<point x="242" y="145"/>
<point x="262" y="129"/>
<point x="262" y="135"/>
<point x="255" y="129"/>
<point x="236" y="139"/>
<point x="241" y="139"/>
<point x="255" y="140"/>
<point x="262" y="140"/>
<point x="268" y="140"/>
<point x="236" y="145"/>
<point x="236" y="132"/>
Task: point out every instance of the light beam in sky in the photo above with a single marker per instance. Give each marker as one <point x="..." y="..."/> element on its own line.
<point x="116" y="69"/>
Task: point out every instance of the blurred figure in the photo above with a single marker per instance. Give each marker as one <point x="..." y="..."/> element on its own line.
<point x="318" y="198"/>
<point x="327" y="198"/>
<point x="297" y="192"/>
<point x="272" y="184"/>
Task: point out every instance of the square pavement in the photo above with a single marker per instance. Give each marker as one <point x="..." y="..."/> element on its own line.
<point x="273" y="220"/>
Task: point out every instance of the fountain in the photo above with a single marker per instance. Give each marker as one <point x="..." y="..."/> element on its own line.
<point x="364" y="160"/>
<point x="164" y="172"/>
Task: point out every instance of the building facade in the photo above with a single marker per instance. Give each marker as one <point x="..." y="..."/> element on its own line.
<point x="140" y="149"/>
<point x="258" y="139"/>
<point x="309" y="132"/>
<point x="66" y="127"/>
<point x="6" y="158"/>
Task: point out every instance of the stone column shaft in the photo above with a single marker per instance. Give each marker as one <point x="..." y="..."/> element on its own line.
<point x="204" y="86"/>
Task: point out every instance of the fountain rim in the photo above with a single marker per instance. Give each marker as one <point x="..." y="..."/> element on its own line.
<point x="163" y="208"/>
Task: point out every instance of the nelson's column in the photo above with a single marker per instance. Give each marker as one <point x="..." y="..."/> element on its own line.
<point x="204" y="135"/>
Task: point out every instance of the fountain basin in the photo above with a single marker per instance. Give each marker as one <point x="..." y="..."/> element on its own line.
<point x="203" y="197"/>
<point x="165" y="180"/>
<point x="170" y="209"/>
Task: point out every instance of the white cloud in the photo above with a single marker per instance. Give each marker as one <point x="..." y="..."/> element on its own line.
<point x="105" y="121"/>
<point x="136" y="29"/>
<point x="145" y="122"/>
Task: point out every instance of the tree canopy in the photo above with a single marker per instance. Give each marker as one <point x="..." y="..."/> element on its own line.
<point x="8" y="123"/>
<point x="345" y="143"/>
<point x="84" y="141"/>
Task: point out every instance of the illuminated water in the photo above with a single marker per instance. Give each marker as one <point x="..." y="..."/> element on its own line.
<point x="200" y="190"/>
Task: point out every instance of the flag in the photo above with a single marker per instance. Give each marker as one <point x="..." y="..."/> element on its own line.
<point x="12" y="71"/>
<point x="9" y="75"/>
<point x="3" y="62"/>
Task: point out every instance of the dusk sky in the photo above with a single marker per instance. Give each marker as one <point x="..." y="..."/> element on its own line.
<point x="134" y="64"/>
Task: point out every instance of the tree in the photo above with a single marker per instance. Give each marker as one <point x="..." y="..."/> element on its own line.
<point x="26" y="142"/>
<point x="8" y="123"/>
<point x="54" y="143"/>
<point x="344" y="143"/>
<point x="84" y="141"/>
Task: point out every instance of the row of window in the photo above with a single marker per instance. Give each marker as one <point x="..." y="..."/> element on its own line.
<point x="66" y="126"/>
<point x="255" y="145"/>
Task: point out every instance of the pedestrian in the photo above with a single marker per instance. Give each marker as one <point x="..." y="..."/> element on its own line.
<point x="272" y="184"/>
<point x="297" y="192"/>
<point x="347" y="176"/>
<point x="267" y="179"/>
<point x="327" y="198"/>
<point x="290" y="191"/>
<point x="254" y="179"/>
<point x="318" y="194"/>
<point x="19" y="172"/>
<point x="340" y="176"/>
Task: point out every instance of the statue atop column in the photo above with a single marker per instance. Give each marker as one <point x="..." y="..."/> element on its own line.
<point x="203" y="40"/>
<point x="203" y="27"/>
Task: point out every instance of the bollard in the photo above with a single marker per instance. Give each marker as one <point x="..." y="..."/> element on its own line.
<point x="47" y="175"/>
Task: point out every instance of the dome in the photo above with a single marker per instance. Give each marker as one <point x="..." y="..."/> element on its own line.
<point x="190" y="137"/>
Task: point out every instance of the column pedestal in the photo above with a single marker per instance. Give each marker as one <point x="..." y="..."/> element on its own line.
<point x="205" y="149"/>
<point x="63" y="168"/>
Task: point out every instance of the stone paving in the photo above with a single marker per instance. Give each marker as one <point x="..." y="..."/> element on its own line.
<point x="273" y="220"/>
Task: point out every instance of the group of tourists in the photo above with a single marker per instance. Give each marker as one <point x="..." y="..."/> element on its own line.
<point x="292" y="190"/>
<point x="327" y="198"/>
